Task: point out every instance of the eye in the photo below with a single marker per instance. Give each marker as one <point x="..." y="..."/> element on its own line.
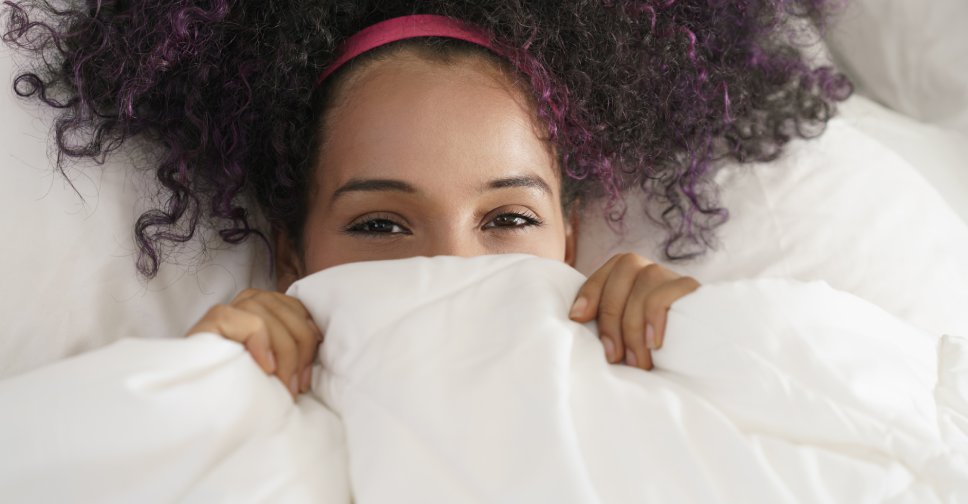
<point x="376" y="225"/>
<point x="513" y="220"/>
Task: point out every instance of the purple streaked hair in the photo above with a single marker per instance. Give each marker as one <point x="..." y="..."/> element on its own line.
<point x="643" y="95"/>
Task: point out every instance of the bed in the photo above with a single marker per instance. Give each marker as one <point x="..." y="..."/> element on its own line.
<point x="824" y="359"/>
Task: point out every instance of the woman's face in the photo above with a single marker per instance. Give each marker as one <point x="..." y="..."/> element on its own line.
<point x="426" y="158"/>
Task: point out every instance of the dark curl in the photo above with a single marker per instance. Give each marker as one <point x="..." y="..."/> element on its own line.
<point x="634" y="94"/>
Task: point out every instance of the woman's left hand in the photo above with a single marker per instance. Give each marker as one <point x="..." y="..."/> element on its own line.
<point x="630" y="296"/>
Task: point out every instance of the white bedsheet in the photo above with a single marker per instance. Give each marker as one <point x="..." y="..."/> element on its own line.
<point x="461" y="380"/>
<point x="144" y="421"/>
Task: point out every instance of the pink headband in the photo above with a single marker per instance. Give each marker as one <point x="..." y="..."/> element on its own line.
<point x="402" y="28"/>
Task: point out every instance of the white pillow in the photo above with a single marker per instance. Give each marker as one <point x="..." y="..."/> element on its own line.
<point x="909" y="55"/>
<point x="68" y="266"/>
<point x="939" y="153"/>
<point x="843" y="209"/>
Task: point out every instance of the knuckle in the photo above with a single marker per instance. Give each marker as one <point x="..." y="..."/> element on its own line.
<point x="275" y="296"/>
<point x="627" y="261"/>
<point x="651" y="273"/>
<point x="285" y="341"/>
<point x="258" y="325"/>
<point x="612" y="260"/>
<point x="246" y="303"/>
<point x="219" y="312"/>
<point x="634" y="259"/>
<point x="301" y="335"/>
<point x="291" y="305"/>
<point x="246" y="293"/>
<point x="254" y="296"/>
<point x="655" y="308"/>
<point x="291" y="301"/>
<point x="689" y="284"/>
<point x="611" y="330"/>
<point x="633" y="340"/>
<point x="609" y="311"/>
<point x="628" y="257"/>
<point x="632" y="327"/>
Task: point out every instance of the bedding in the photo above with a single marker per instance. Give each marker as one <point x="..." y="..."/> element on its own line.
<point x="940" y="154"/>
<point x="462" y="380"/>
<point x="908" y="55"/>
<point x="773" y="387"/>
<point x="186" y="420"/>
<point x="842" y="209"/>
<point x="69" y="270"/>
<point x="68" y="265"/>
<point x="69" y="273"/>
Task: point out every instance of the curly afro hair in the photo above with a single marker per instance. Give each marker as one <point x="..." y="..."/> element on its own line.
<point x="646" y="95"/>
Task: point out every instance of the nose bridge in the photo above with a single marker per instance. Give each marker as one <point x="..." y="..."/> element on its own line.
<point x="454" y="241"/>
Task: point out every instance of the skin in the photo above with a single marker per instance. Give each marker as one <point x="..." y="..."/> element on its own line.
<point x="424" y="158"/>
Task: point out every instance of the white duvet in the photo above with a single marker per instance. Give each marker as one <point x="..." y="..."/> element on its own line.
<point x="462" y="380"/>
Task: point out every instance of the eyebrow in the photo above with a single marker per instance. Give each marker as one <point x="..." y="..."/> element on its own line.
<point x="377" y="185"/>
<point x="526" y="181"/>
<point x="392" y="185"/>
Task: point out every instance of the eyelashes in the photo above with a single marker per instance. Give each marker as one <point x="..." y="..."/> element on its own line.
<point x="385" y="225"/>
<point x="513" y="220"/>
<point x="377" y="225"/>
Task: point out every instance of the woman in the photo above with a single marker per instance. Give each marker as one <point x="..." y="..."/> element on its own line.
<point x="479" y="137"/>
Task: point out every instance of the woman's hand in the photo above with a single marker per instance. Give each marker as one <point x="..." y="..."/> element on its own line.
<point x="276" y="329"/>
<point x="630" y="296"/>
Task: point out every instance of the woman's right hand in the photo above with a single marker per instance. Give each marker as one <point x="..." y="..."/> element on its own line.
<point x="276" y="329"/>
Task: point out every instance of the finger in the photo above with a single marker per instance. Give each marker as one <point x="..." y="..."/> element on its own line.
<point x="648" y="280"/>
<point x="310" y="351"/>
<point x="282" y="341"/>
<point x="307" y="336"/>
<point x="297" y="320"/>
<point x="585" y="306"/>
<point x="261" y="349"/>
<point x="240" y="326"/>
<point x="614" y="298"/>
<point x="646" y="362"/>
<point x="285" y="348"/>
<point x="636" y="331"/>
<point x="638" y="358"/>
<point x="246" y="294"/>
<point x="636" y="353"/>
<point x="659" y="301"/>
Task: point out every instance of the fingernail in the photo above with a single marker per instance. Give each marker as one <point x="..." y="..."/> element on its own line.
<point x="294" y="385"/>
<point x="307" y="378"/>
<point x="650" y="337"/>
<point x="272" y="361"/>
<point x="609" y="347"/>
<point x="579" y="307"/>
<point x="630" y="358"/>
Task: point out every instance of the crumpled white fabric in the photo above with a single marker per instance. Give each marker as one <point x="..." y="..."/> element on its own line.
<point x="155" y="421"/>
<point x="462" y="380"/>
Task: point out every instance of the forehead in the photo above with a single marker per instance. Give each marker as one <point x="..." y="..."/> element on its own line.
<point x="434" y="123"/>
